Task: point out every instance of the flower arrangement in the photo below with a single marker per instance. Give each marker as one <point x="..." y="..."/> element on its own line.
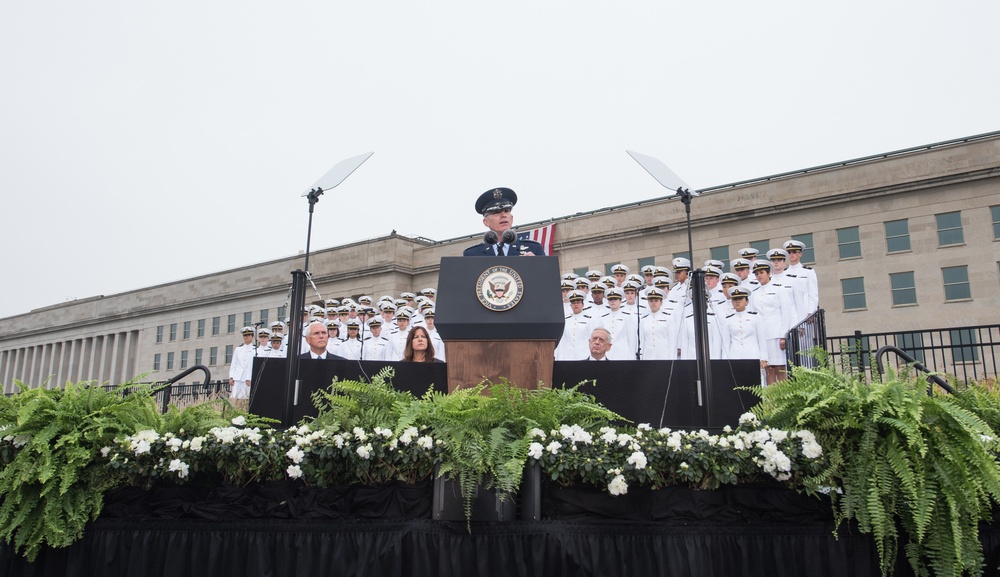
<point x="655" y="458"/>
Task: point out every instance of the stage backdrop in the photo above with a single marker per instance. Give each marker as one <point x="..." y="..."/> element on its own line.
<point x="662" y="393"/>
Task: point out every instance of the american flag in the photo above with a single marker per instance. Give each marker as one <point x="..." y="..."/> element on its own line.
<point x="542" y="236"/>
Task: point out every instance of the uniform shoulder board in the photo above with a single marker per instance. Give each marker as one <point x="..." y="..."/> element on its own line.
<point x="752" y="312"/>
<point x="730" y="316"/>
<point x="605" y="315"/>
<point x="791" y="275"/>
<point x="569" y="317"/>
<point x="586" y="316"/>
<point x="625" y="312"/>
<point x="710" y="313"/>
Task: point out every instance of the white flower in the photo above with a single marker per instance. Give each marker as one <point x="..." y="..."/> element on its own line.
<point x="393" y="444"/>
<point x="240" y="421"/>
<point x="105" y="451"/>
<point x="778" y="436"/>
<point x="225" y="435"/>
<point x="180" y="467"/>
<point x="638" y="460"/>
<point x="408" y="434"/>
<point x="148" y="435"/>
<point x="537" y="433"/>
<point x="575" y="434"/>
<point x="554" y="447"/>
<point x="811" y="450"/>
<point x="644" y="427"/>
<point x="985" y="438"/>
<point x="360" y="434"/>
<point x="294" y="471"/>
<point x="140" y="448"/>
<point x="338" y="440"/>
<point x="425" y="443"/>
<point x="383" y="432"/>
<point x="685" y="466"/>
<point x="748" y="419"/>
<point x="674" y="442"/>
<point x="196" y="443"/>
<point x="624" y="439"/>
<point x="618" y="486"/>
<point x="295" y="454"/>
<point x="727" y="429"/>
<point x="535" y="451"/>
<point x="365" y="451"/>
<point x="175" y="444"/>
<point x="609" y="436"/>
<point x="304" y="429"/>
<point x="738" y="444"/>
<point x="253" y="435"/>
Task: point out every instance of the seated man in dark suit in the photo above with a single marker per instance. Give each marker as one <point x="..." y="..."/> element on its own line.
<point x="316" y="337"/>
<point x="495" y="206"/>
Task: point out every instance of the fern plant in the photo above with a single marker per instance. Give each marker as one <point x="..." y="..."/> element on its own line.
<point x="903" y="459"/>
<point x="52" y="482"/>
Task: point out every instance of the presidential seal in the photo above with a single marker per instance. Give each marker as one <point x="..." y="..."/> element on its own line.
<point x="499" y="288"/>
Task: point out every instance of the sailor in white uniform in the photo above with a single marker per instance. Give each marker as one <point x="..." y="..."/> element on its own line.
<point x="573" y="345"/>
<point x="658" y="330"/>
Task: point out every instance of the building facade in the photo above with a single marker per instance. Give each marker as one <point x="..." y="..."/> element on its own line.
<point x="905" y="241"/>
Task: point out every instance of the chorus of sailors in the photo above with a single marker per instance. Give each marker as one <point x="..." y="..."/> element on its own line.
<point x="648" y="316"/>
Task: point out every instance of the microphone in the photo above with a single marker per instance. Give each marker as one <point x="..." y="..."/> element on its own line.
<point x="508" y="236"/>
<point x="490" y="237"/>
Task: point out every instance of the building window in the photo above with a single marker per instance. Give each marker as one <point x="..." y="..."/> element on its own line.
<point x="956" y="283"/>
<point x="201" y="328"/>
<point x="263" y="317"/>
<point x="247" y="319"/>
<point x="580" y="271"/>
<point x="995" y="214"/>
<point x="762" y="246"/>
<point x="912" y="344"/>
<point x="197" y="356"/>
<point x="159" y="334"/>
<point x="897" y="236"/>
<point x="720" y="253"/>
<point x="187" y="330"/>
<point x="904" y="290"/>
<point x="229" y="354"/>
<point x="173" y="332"/>
<point x="949" y="228"/>
<point x="963" y="346"/>
<point x="231" y="324"/>
<point x="156" y="362"/>
<point x="808" y="253"/>
<point x="213" y="356"/>
<point x="170" y="361"/>
<point x="849" y="242"/>
<point x="282" y="312"/>
<point x="216" y="326"/>
<point x="648" y="261"/>
<point x="608" y="266"/>
<point x="683" y="254"/>
<point x="854" y="293"/>
<point x="184" y="359"/>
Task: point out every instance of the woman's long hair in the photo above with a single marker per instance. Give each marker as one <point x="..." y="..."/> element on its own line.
<point x="408" y="351"/>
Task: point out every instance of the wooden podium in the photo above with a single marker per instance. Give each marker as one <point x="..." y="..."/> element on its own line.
<point x="499" y="317"/>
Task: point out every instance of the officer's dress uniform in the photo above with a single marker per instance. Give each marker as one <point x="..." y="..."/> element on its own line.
<point x="658" y="340"/>
<point x="350" y="349"/>
<point x="241" y="371"/>
<point x="776" y="308"/>
<point x="575" y="342"/>
<point x="623" y="327"/>
<point x="806" y="287"/>
<point x="743" y="336"/>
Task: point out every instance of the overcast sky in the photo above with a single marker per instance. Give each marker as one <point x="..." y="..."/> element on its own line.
<point x="146" y="142"/>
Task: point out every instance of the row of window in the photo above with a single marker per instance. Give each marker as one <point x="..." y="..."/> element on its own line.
<point x="213" y="358"/>
<point x="904" y="288"/>
<point x="897" y="233"/>
<point x="216" y="325"/>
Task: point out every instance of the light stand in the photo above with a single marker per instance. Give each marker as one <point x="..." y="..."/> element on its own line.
<point x="331" y="179"/>
<point x="671" y="181"/>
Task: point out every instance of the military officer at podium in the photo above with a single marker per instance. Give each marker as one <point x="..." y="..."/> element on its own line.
<point x="495" y="205"/>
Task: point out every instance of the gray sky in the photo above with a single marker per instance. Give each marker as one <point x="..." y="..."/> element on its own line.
<point x="148" y="142"/>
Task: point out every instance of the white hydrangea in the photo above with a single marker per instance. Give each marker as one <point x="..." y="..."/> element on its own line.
<point x="618" y="486"/>
<point x="294" y="471"/>
<point x="295" y="454"/>
<point x="535" y="451"/>
<point x="179" y="467"/>
<point x="638" y="460"/>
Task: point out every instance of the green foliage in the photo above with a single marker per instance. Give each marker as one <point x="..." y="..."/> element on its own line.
<point x="349" y="404"/>
<point x="902" y="458"/>
<point x="52" y="483"/>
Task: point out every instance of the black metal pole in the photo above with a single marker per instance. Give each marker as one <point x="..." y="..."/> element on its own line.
<point x="294" y="343"/>
<point x="698" y="301"/>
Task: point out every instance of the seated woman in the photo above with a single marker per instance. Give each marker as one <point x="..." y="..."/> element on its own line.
<point x="419" y="348"/>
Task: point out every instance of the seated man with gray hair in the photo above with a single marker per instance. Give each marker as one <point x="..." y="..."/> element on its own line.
<point x="600" y="343"/>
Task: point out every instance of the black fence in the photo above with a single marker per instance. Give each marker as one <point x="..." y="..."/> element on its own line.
<point x="966" y="353"/>
<point x="181" y="393"/>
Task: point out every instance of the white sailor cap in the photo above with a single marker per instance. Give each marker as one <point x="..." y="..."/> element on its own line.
<point x="365" y="299"/>
<point x="387" y="306"/>
<point x="569" y="276"/>
<point x="608" y="281"/>
<point x="661" y="282"/>
<point x="332" y="303"/>
<point x="662" y="271"/>
<point x="582" y="282"/>
<point x="263" y="332"/>
<point x="648" y="270"/>
<point x="716" y="263"/>
<point x="428" y="292"/>
<point x="593" y="275"/>
<point x="407" y="295"/>
<point x="777" y="254"/>
<point x="632" y="286"/>
<point x="374" y="322"/>
<point x="278" y="326"/>
<point x="619" y="269"/>
<point x="637" y="278"/>
<point x="794" y="245"/>
<point x="576" y="296"/>
<point x="729" y="278"/>
<point x="248" y="330"/>
<point x="655" y="293"/>
<point x="748" y="252"/>
<point x="615" y="293"/>
<point x="681" y="263"/>
<point x="567" y="285"/>
<point x="713" y="271"/>
<point x="739" y="263"/>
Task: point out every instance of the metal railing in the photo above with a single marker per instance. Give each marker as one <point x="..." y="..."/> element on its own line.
<point x="966" y="353"/>
<point x="805" y="336"/>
